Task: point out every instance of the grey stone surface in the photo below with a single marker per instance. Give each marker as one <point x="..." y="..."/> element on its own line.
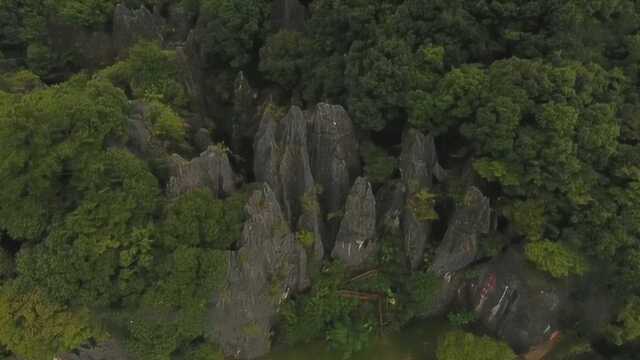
<point x="335" y="161"/>
<point x="417" y="163"/>
<point x="262" y="273"/>
<point x="459" y="247"/>
<point x="356" y="242"/>
<point x="211" y="169"/>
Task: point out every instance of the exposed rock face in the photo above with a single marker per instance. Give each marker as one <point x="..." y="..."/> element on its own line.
<point x="418" y="159"/>
<point x="261" y="275"/>
<point x="288" y="15"/>
<point x="191" y="69"/>
<point x="356" y="240"/>
<point x="266" y="159"/>
<point x="517" y="302"/>
<point x="108" y="350"/>
<point x="211" y="169"/>
<point x="417" y="162"/>
<point x="295" y="169"/>
<point x="459" y="248"/>
<point x="282" y="160"/>
<point x="389" y="206"/>
<point x="179" y="22"/>
<point x="90" y="49"/>
<point x="130" y="26"/>
<point x="245" y="107"/>
<point x="335" y="161"/>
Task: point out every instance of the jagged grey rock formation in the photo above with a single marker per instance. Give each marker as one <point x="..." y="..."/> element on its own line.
<point x="178" y="22"/>
<point x="91" y="49"/>
<point x="417" y="163"/>
<point x="282" y="160"/>
<point x="295" y="169"/>
<point x="211" y="169"/>
<point x="335" y="161"/>
<point x="288" y="15"/>
<point x="459" y="248"/>
<point x="130" y="26"/>
<point x="108" y="350"/>
<point x="517" y="302"/>
<point x="188" y="60"/>
<point x="245" y="108"/>
<point x="262" y="273"/>
<point x="266" y="159"/>
<point x="356" y="242"/>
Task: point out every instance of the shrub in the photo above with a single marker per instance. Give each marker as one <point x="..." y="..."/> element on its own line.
<point x="462" y="318"/>
<point x="34" y="328"/>
<point x="458" y="345"/>
<point x="166" y="124"/>
<point x="149" y="70"/>
<point x="306" y="238"/>
<point x="556" y="259"/>
<point x="378" y="164"/>
<point x="20" y="82"/>
<point x="422" y="205"/>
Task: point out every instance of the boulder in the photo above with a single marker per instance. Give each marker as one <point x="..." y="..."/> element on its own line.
<point x="211" y="169"/>
<point x="288" y="15"/>
<point x="459" y="247"/>
<point x="417" y="163"/>
<point x="131" y="26"/>
<point x="356" y="243"/>
<point x="335" y="161"/>
<point x="517" y="302"/>
<point x="262" y="274"/>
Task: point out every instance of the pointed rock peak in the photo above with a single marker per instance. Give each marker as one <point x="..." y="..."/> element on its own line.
<point x="356" y="240"/>
<point x="419" y="158"/>
<point x="211" y="169"/>
<point x="335" y="159"/>
<point x="295" y="127"/>
<point x="267" y="267"/>
<point x="459" y="247"/>
<point x="263" y="201"/>
<point x="130" y="26"/>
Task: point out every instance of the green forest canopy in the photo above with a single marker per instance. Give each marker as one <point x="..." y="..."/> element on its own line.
<point x="543" y="93"/>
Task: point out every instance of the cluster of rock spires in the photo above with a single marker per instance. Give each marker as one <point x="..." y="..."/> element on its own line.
<point x="313" y="183"/>
<point x="313" y="186"/>
<point x="309" y="165"/>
